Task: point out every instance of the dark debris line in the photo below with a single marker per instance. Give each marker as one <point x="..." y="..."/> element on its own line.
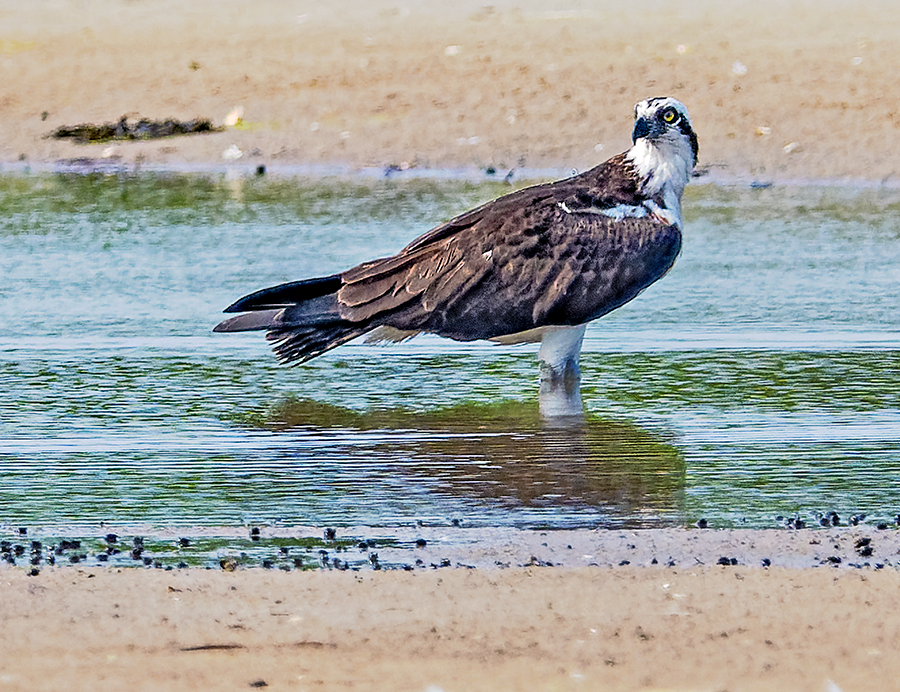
<point x="333" y="552"/>
<point x="144" y="128"/>
<point x="303" y="553"/>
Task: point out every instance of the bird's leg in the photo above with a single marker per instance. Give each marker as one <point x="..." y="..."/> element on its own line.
<point x="560" y="390"/>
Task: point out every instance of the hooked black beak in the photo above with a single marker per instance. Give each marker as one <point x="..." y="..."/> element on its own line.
<point x="641" y="129"/>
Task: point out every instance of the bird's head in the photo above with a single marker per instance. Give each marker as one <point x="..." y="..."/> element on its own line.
<point x="664" y="120"/>
<point x="665" y="145"/>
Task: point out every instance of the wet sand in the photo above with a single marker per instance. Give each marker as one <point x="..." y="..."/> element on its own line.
<point x="776" y="94"/>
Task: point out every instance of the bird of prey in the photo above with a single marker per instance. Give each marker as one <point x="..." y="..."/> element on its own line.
<point x="537" y="264"/>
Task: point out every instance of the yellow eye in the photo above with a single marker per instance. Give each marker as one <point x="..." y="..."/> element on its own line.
<point x="669" y="115"/>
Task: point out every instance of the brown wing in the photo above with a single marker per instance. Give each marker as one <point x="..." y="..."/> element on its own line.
<point x="541" y="256"/>
<point x="545" y="255"/>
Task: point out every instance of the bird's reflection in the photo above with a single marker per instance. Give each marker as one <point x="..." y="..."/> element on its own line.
<point x="509" y="453"/>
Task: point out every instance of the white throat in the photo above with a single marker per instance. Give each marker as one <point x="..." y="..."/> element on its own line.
<point x="665" y="166"/>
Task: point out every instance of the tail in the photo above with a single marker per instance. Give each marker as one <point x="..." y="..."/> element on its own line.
<point x="302" y="318"/>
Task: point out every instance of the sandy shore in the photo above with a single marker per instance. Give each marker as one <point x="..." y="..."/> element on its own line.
<point x="712" y="628"/>
<point x="618" y="610"/>
<point x="776" y="93"/>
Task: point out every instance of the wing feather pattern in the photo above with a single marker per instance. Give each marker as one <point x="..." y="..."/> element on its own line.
<point x="504" y="276"/>
<point x="541" y="256"/>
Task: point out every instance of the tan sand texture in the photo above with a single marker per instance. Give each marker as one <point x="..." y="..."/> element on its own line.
<point x="535" y="629"/>
<point x="777" y="91"/>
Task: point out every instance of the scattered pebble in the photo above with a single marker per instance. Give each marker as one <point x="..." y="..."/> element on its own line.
<point x="864" y="547"/>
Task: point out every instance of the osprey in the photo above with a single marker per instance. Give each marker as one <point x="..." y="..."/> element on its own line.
<point x="534" y="265"/>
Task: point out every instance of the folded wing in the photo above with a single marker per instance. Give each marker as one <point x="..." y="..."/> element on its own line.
<point x="547" y="255"/>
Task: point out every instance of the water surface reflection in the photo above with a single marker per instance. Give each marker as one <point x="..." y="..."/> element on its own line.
<point x="504" y="453"/>
<point x="758" y="379"/>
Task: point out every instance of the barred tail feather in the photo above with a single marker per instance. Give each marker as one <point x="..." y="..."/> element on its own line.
<point x="299" y="344"/>
<point x="302" y="318"/>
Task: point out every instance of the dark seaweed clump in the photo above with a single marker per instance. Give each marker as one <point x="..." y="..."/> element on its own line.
<point x="144" y="128"/>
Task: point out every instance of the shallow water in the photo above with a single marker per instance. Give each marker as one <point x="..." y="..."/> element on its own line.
<point x="758" y="380"/>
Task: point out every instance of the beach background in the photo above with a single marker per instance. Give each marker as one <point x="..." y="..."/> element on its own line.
<point x="778" y="93"/>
